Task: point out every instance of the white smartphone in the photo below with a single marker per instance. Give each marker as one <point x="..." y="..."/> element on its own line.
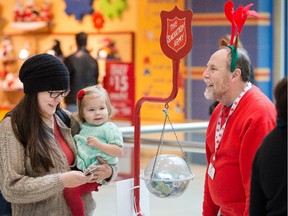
<point x="90" y="171"/>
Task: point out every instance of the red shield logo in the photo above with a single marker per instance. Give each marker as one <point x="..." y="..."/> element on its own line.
<point x="176" y="33"/>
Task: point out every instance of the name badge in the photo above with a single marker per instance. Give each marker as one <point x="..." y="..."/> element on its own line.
<point x="211" y="171"/>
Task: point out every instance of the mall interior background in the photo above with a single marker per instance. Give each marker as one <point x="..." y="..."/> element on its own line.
<point x="133" y="28"/>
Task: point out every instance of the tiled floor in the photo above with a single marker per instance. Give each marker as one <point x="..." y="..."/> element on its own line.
<point x="187" y="204"/>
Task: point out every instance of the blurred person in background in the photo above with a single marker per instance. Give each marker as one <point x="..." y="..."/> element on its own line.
<point x="83" y="69"/>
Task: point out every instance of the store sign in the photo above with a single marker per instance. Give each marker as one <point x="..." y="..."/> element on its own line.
<point x="119" y="83"/>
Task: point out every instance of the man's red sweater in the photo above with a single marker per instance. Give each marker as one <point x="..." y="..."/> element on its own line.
<point x="229" y="191"/>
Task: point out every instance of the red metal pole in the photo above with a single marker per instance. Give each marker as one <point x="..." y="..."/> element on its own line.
<point x="137" y="127"/>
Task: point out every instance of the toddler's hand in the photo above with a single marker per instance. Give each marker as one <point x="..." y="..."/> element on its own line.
<point x="92" y="141"/>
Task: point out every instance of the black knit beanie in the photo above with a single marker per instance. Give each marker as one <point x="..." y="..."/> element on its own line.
<point x="44" y="72"/>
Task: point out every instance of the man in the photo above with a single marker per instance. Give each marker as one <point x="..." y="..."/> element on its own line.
<point x="227" y="37"/>
<point x="236" y="129"/>
<point x="83" y="69"/>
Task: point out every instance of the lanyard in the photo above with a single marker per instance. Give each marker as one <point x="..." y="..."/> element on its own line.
<point x="220" y="130"/>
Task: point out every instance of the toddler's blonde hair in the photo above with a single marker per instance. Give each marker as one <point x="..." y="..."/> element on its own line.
<point x="90" y="90"/>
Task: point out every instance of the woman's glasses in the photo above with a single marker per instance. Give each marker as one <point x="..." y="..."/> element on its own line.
<point x="56" y="94"/>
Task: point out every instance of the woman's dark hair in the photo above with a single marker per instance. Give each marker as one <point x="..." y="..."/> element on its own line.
<point x="280" y="94"/>
<point x="33" y="133"/>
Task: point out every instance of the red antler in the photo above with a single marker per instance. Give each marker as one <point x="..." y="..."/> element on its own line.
<point x="241" y="15"/>
<point x="238" y="17"/>
<point x="229" y="11"/>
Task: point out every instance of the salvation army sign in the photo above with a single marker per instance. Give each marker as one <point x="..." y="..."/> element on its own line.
<point x="176" y="42"/>
<point x="176" y="34"/>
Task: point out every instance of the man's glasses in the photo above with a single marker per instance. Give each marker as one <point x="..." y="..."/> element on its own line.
<point x="56" y="94"/>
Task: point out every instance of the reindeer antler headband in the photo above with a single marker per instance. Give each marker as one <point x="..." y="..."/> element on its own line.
<point x="237" y="19"/>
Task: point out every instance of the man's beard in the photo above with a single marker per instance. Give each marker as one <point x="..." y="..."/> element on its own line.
<point x="214" y="94"/>
<point x="209" y="94"/>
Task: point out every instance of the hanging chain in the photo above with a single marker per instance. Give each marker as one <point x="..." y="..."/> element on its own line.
<point x="159" y="149"/>
<point x="183" y="153"/>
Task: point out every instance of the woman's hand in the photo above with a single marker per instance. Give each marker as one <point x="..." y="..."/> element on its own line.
<point x="103" y="172"/>
<point x="74" y="178"/>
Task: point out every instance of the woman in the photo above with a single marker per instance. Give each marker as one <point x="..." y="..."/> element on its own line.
<point x="37" y="149"/>
<point x="268" y="194"/>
